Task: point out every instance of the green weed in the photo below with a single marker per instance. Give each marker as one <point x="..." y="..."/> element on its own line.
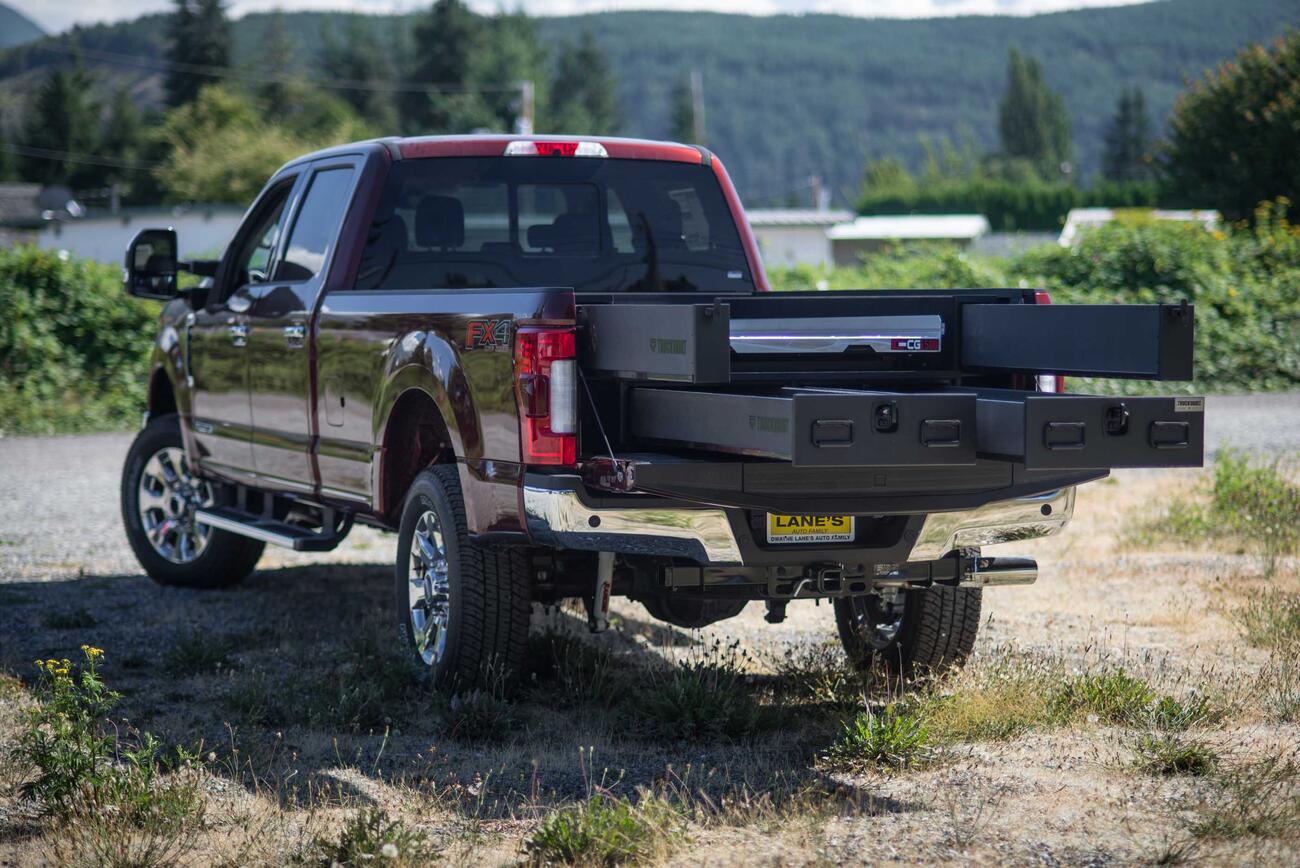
<point x="198" y="653"/>
<point x="1271" y="620"/>
<point x="1113" y="697"/>
<point x="1169" y="754"/>
<point x="894" y="736"/>
<point x="72" y="619"/>
<point x="605" y="830"/>
<point x="1255" y="799"/>
<point x="704" y="696"/>
<point x="372" y="837"/>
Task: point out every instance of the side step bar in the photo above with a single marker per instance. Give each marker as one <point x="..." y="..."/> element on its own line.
<point x="269" y="530"/>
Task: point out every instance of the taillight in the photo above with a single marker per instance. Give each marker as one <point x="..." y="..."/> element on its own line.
<point x="546" y="389"/>
<point x="1048" y="382"/>
<point x="533" y="148"/>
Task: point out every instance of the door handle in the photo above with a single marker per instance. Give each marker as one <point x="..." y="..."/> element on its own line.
<point x="239" y="334"/>
<point x="295" y="335"/>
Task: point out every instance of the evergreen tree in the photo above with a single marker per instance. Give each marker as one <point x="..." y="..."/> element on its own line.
<point x="1127" y="156"/>
<point x="275" y="52"/>
<point x="123" y="136"/>
<point x="62" y="117"/>
<point x="447" y="41"/>
<point x="512" y="56"/>
<point x="681" y="112"/>
<point x="582" y="93"/>
<point x="357" y="55"/>
<point x="200" y="36"/>
<point x="1032" y="120"/>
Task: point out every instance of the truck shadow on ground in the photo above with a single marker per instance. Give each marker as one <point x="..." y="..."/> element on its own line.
<point x="292" y="685"/>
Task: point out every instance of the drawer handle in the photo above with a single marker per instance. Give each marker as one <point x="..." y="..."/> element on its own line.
<point x="1060" y="436"/>
<point x="1169" y="435"/>
<point x="832" y="433"/>
<point x="941" y="433"/>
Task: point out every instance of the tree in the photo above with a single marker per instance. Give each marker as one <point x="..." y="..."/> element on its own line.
<point x="512" y="56"/>
<point x="1232" y="137"/>
<point x="123" y="135"/>
<point x="681" y="111"/>
<point x="582" y="93"/>
<point x="63" y="120"/>
<point x="199" y="35"/>
<point x="447" y="41"/>
<point x="275" y="52"/>
<point x="1127" y="156"/>
<point x="1032" y="121"/>
<point x="357" y="55"/>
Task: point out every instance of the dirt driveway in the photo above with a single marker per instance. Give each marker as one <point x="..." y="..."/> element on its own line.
<point x="281" y="684"/>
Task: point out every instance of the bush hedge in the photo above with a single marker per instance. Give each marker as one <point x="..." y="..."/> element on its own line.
<point x="1245" y="283"/>
<point x="74" y="348"/>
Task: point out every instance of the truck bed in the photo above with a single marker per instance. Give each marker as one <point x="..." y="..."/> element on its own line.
<point x="879" y="401"/>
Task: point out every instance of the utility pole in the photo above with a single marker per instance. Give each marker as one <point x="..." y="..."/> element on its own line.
<point x="524" y="124"/>
<point x="697" y="106"/>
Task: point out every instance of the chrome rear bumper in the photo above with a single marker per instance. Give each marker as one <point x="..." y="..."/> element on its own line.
<point x="558" y="517"/>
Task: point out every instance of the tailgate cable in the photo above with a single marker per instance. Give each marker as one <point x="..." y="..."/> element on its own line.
<point x="600" y="425"/>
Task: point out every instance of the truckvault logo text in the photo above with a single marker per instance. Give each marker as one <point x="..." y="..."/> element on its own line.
<point x="668" y="346"/>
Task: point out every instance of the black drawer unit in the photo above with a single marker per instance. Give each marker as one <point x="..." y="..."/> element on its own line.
<point x="812" y="427"/>
<point x="1048" y="431"/>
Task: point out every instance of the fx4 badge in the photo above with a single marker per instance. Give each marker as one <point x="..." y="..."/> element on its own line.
<point x="488" y="334"/>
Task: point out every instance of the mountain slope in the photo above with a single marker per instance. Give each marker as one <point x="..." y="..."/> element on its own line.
<point x="16" y="28"/>
<point x="791" y="96"/>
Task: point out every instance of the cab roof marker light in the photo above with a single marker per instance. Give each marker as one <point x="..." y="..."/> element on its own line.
<point x="555" y="149"/>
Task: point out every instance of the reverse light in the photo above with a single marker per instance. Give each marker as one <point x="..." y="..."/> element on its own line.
<point x="531" y="148"/>
<point x="1048" y="382"/>
<point x="546" y="390"/>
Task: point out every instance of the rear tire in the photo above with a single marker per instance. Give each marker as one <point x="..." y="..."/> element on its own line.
<point x="159" y="496"/>
<point x="462" y="608"/>
<point x="934" y="631"/>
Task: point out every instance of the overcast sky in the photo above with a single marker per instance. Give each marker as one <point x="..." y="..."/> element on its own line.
<point x="56" y="15"/>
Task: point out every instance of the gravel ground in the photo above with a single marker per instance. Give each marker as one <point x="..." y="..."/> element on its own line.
<point x="50" y="486"/>
<point x="293" y="634"/>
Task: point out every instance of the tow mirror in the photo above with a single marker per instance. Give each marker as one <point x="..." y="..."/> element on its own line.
<point x="151" y="265"/>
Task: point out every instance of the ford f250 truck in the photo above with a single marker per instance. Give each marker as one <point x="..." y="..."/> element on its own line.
<point x="553" y="366"/>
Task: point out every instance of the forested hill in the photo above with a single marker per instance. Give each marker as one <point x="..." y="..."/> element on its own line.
<point x="787" y="96"/>
<point x="16" y="28"/>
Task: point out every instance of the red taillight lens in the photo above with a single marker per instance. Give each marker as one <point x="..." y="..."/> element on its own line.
<point x="1048" y="382"/>
<point x="544" y="386"/>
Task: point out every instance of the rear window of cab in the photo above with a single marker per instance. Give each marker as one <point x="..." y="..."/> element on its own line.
<point x="597" y="225"/>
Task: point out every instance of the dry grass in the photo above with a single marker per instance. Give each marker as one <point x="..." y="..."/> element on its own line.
<point x="1113" y="683"/>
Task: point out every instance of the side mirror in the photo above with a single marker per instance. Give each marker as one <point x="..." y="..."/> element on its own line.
<point x="150" y="270"/>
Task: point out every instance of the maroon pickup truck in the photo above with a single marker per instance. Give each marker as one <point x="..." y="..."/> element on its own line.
<point x="553" y="367"/>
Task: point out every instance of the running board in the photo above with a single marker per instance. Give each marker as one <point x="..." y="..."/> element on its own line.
<point x="290" y="536"/>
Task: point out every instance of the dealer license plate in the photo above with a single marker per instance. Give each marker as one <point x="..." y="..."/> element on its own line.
<point x="809" y="528"/>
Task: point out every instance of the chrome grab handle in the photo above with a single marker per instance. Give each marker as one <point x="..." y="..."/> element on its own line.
<point x="239" y="334"/>
<point x="295" y="335"/>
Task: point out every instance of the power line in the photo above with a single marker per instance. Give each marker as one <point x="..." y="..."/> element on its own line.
<point x="160" y="65"/>
<point x="76" y="157"/>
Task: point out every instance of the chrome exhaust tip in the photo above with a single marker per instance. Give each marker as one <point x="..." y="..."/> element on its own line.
<point x="988" y="572"/>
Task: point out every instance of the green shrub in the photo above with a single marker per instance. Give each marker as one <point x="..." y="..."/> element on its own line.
<point x="74" y="348"/>
<point x="1258" y="503"/>
<point x="1272" y="620"/>
<point x="1260" y="798"/>
<point x="1245" y="283"/>
<point x="198" y="653"/>
<point x="372" y="837"/>
<point x="1113" y="697"/>
<point x="604" y="831"/>
<point x="1167" y="754"/>
<point x="896" y="735"/>
<point x="702" y="697"/>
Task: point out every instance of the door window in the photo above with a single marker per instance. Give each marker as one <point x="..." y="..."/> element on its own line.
<point x="258" y="239"/>
<point x="316" y="225"/>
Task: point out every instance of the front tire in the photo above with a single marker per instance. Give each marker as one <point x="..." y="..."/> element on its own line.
<point x="909" y="633"/>
<point x="159" y="497"/>
<point x="463" y="608"/>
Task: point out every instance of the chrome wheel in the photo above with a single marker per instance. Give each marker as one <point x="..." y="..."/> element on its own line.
<point x="169" y="496"/>
<point x="878" y="618"/>
<point x="428" y="591"/>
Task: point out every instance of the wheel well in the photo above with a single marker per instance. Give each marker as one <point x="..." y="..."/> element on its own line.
<point x="416" y="437"/>
<point x="162" y="397"/>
